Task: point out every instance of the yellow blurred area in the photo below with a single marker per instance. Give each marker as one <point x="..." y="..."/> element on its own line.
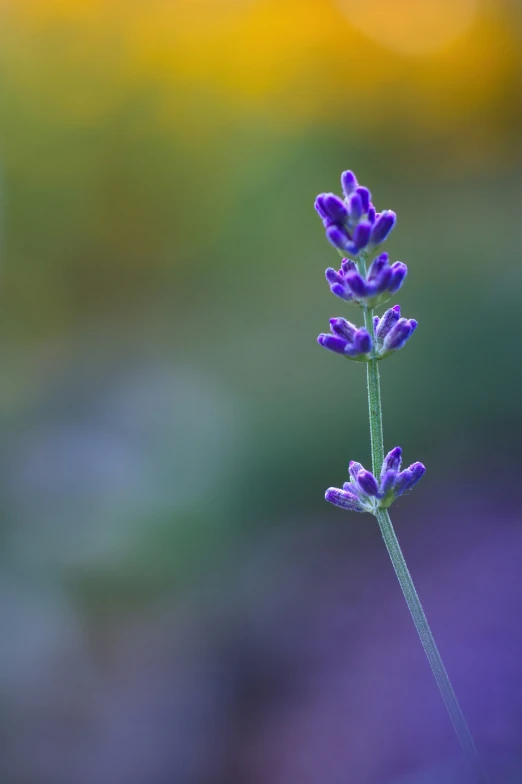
<point x="430" y="61"/>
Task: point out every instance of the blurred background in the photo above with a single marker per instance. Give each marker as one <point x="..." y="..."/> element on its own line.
<point x="177" y="602"/>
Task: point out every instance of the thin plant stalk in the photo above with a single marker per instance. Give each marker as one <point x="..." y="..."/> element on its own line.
<point x="404" y="577"/>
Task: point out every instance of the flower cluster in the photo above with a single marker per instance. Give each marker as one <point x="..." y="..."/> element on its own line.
<point x="347" y="339"/>
<point x="392" y="331"/>
<point x="352" y="224"/>
<point x="391" y="334"/>
<point x="363" y="493"/>
<point x="374" y="288"/>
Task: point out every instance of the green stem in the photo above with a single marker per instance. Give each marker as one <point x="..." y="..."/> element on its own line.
<point x="404" y="577"/>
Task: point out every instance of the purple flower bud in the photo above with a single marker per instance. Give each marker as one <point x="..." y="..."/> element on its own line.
<point x="367" y="482"/>
<point x="332" y="343"/>
<point x="365" y="195"/>
<point x="387" y="321"/>
<point x="417" y="471"/>
<point x="351" y="489"/>
<point x="354" y="468"/>
<point x="402" y="482"/>
<point x="337" y="237"/>
<point x="319" y="206"/>
<point x="348" y="183"/>
<point x="392" y="461"/>
<point x="348" y="265"/>
<point x="361" y="234"/>
<point x="332" y="276"/>
<point x="377" y="266"/>
<point x="387" y="482"/>
<point x="375" y="323"/>
<point x="363" y="341"/>
<point x="371" y="214"/>
<point x="382" y="226"/>
<point x="344" y="329"/>
<point x="334" y="207"/>
<point x="398" y="335"/>
<point x="382" y="280"/>
<point x="355" y="207"/>
<point x="399" y="272"/>
<point x="356" y="284"/>
<point x="341" y="291"/>
<point x="343" y="499"/>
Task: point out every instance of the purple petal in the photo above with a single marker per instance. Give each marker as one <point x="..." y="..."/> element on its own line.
<point x="348" y="183"/>
<point x="344" y="329"/>
<point x="382" y="280"/>
<point x="402" y="482"/>
<point x="398" y="335"/>
<point x="343" y="499"/>
<point x="341" y="291"/>
<point x="377" y="266"/>
<point x="334" y="207"/>
<point x="399" y="272"/>
<point x="348" y="265"/>
<point x="371" y="214"/>
<point x="367" y="482"/>
<point x="392" y="461"/>
<point x="388" y="320"/>
<point x="337" y="237"/>
<point x="332" y="343"/>
<point x="376" y="320"/>
<point x="319" y="206"/>
<point x="417" y="471"/>
<point x="354" y="468"/>
<point x="365" y="195"/>
<point x="363" y="341"/>
<point x="413" y="326"/>
<point x="356" y="284"/>
<point x="355" y="207"/>
<point x="332" y="276"/>
<point x="383" y="226"/>
<point x="361" y="234"/>
<point x="388" y="479"/>
<point x="352" y="489"/>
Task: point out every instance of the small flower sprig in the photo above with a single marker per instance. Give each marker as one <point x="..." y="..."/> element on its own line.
<point x="368" y="280"/>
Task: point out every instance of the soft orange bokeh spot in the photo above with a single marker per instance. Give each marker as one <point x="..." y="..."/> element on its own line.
<point x="417" y="27"/>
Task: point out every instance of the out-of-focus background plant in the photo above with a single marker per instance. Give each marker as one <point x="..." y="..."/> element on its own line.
<point x="177" y="602"/>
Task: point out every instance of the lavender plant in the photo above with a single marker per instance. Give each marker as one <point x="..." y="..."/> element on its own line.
<point x="367" y="280"/>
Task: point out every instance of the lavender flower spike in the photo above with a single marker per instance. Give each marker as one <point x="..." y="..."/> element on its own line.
<point x="347" y="339"/>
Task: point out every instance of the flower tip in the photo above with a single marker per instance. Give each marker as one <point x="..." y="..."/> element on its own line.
<point x="367" y="482"/>
<point x="397" y="309"/>
<point x="417" y="470"/>
<point x="337" y="238"/>
<point x="348" y="182"/>
<point x="414" y="324"/>
<point x="330" y="494"/>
